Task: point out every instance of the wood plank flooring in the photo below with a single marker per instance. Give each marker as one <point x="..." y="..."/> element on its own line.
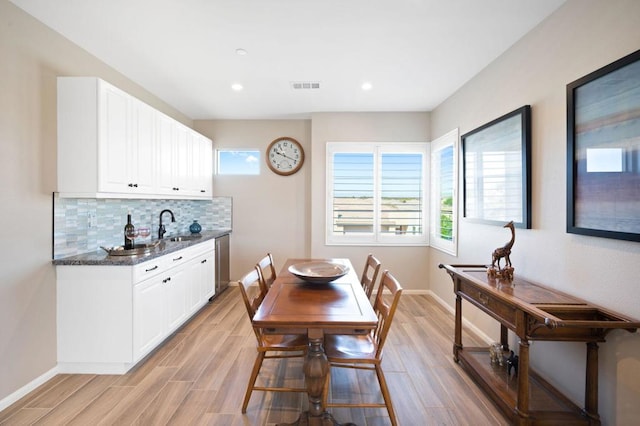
<point x="199" y="376"/>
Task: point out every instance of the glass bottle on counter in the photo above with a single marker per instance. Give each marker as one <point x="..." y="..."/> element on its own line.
<point x="128" y="230"/>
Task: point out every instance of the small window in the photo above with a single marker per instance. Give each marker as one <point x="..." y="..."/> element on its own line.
<point x="237" y="162"/>
<point x="444" y="203"/>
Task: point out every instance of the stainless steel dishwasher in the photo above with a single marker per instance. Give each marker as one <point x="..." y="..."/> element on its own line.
<point x="222" y="264"/>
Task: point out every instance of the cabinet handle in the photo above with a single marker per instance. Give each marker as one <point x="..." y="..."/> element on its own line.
<point x="151" y="269"/>
<point x="484" y="299"/>
<point x="176" y="189"/>
<point x="204" y="261"/>
<point x="133" y="185"/>
<point x="202" y="190"/>
<point x="175" y="260"/>
<point x="166" y="280"/>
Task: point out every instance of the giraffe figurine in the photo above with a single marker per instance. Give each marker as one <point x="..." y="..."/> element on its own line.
<point x="503" y="252"/>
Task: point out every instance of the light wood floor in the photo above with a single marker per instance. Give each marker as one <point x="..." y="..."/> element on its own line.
<point x="199" y="376"/>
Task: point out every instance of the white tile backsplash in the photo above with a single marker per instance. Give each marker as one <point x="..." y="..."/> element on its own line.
<point x="82" y="225"/>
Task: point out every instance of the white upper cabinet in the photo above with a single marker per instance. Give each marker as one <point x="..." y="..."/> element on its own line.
<point x="112" y="145"/>
<point x="202" y="172"/>
<point x="143" y="164"/>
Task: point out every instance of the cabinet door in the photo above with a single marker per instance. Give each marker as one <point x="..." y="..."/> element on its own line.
<point x="207" y="276"/>
<point x="203" y="166"/>
<point x="143" y="173"/>
<point x="202" y="285"/>
<point x="194" y="296"/>
<point x="183" y="159"/>
<point x="176" y="287"/>
<point x="116" y="158"/>
<point x="149" y="315"/>
<point x="166" y="154"/>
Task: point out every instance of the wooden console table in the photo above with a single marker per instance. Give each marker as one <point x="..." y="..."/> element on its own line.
<point x="532" y="312"/>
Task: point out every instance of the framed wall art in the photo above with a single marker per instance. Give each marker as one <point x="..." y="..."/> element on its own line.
<point x="603" y="151"/>
<point x="497" y="170"/>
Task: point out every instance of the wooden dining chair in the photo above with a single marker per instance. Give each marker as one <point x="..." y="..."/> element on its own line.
<point x="279" y="345"/>
<point x="267" y="271"/>
<point x="365" y="351"/>
<point x="369" y="275"/>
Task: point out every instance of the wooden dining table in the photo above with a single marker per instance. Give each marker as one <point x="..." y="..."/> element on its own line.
<point x="339" y="307"/>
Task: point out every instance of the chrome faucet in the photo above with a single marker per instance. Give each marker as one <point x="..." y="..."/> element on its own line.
<point x="161" y="229"/>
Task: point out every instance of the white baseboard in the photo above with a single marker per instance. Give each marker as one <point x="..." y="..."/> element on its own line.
<point x="32" y="385"/>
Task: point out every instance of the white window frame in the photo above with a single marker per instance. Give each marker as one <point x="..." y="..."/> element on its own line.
<point x="376" y="238"/>
<point x="436" y="241"/>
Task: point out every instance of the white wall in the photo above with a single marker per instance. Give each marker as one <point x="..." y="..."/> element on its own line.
<point x="31" y="57"/>
<point x="582" y="36"/>
<point x="408" y="264"/>
<point x="270" y="212"/>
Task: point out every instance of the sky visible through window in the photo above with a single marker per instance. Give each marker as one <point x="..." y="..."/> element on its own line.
<point x="245" y="162"/>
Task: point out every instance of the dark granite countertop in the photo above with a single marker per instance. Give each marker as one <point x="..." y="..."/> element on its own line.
<point x="100" y="257"/>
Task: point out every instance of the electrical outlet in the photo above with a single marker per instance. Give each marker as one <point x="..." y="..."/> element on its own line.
<point x="91" y="220"/>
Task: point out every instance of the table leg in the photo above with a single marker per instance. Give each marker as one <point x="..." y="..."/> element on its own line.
<point x="457" y="343"/>
<point x="591" y="383"/>
<point x="522" y="404"/>
<point x="316" y="367"/>
<point x="504" y="337"/>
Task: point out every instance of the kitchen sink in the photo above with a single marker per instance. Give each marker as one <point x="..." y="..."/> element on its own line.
<point x="185" y="237"/>
<point x="137" y="250"/>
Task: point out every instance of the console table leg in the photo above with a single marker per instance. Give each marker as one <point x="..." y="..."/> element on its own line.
<point x="457" y="344"/>
<point x="504" y="337"/>
<point x="522" y="405"/>
<point x="591" y="383"/>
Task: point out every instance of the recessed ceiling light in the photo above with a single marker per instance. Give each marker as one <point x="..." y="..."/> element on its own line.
<point x="237" y="87"/>
<point x="366" y="86"/>
<point x="241" y="52"/>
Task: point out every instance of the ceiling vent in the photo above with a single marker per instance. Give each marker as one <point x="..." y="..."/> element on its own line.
<point x="302" y="85"/>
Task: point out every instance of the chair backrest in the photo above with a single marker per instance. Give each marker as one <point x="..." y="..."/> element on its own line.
<point x="385" y="310"/>
<point x="267" y="271"/>
<point x="369" y="275"/>
<point x="252" y="299"/>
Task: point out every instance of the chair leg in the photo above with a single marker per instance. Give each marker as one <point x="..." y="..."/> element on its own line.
<point x="325" y="389"/>
<point x="252" y="380"/>
<point x="386" y="395"/>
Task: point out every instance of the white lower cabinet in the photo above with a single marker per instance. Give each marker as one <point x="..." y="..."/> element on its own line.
<point x="202" y="287"/>
<point x="149" y="315"/>
<point x="177" y="297"/>
<point x="110" y="317"/>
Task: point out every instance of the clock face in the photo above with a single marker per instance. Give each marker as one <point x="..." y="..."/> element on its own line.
<point x="285" y="156"/>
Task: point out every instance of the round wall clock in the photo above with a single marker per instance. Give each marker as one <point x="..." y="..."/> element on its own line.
<point x="285" y="156"/>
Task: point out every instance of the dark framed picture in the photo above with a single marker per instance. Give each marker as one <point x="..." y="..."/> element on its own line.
<point x="497" y="170"/>
<point x="603" y="151"/>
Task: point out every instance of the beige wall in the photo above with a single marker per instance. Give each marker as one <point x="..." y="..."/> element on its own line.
<point x="582" y="36"/>
<point x="285" y="215"/>
<point x="31" y="57"/>
<point x="408" y="264"/>
<point x="270" y="212"/>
